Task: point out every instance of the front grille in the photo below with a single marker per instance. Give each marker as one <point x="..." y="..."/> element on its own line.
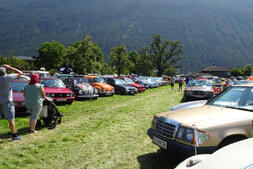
<point x="165" y="129"/>
<point x="60" y="95"/>
<point x="198" y="93"/>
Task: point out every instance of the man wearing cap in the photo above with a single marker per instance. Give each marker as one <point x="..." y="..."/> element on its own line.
<point x="7" y="108"/>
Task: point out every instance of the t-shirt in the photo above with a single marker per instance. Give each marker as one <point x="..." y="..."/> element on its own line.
<point x="6" y="88"/>
<point x="33" y="96"/>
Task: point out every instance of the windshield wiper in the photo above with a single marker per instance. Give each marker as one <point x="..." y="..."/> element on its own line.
<point x="239" y="108"/>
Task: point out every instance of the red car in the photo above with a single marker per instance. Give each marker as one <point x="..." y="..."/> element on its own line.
<point x="56" y="89"/>
<point x="130" y="82"/>
<point x="18" y="95"/>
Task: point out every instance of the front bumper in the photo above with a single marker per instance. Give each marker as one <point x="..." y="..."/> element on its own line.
<point x="180" y="147"/>
<point x="106" y="93"/>
<point x="63" y="99"/>
<point x="86" y="96"/>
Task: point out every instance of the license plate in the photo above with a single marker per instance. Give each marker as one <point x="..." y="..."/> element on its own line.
<point x="61" y="100"/>
<point x="159" y="142"/>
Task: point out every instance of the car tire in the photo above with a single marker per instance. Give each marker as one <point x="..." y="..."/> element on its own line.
<point x="230" y="140"/>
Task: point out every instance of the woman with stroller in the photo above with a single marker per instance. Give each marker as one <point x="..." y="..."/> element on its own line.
<point x="34" y="94"/>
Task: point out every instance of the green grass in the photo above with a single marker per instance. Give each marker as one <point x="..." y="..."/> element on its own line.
<point x="108" y="133"/>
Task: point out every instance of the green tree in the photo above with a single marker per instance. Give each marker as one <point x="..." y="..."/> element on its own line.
<point x="237" y="72"/>
<point x="133" y="64"/>
<point x="247" y="70"/>
<point x="51" y="55"/>
<point x="85" y="56"/>
<point x="144" y="64"/>
<point x="119" y="59"/>
<point x="165" y="53"/>
<point x="2" y="60"/>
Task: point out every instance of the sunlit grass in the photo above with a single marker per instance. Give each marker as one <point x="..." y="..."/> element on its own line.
<point x="106" y="133"/>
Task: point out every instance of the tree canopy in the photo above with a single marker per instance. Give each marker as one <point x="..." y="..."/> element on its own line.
<point x="165" y="53"/>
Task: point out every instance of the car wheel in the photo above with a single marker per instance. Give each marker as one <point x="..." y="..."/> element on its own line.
<point x="230" y="140"/>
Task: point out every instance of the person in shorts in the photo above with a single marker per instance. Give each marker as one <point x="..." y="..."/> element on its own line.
<point x="7" y="109"/>
<point x="172" y="82"/>
<point x="34" y="95"/>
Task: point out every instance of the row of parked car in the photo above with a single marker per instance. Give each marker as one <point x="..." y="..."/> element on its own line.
<point x="204" y="126"/>
<point x="65" y="88"/>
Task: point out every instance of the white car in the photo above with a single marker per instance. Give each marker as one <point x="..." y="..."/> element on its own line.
<point x="238" y="155"/>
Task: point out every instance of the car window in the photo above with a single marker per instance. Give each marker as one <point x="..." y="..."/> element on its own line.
<point x="235" y="97"/>
<point x="98" y="80"/>
<point x="249" y="101"/>
<point x="18" y="86"/>
<point x="129" y="80"/>
<point x="119" y="81"/>
<point x="53" y="83"/>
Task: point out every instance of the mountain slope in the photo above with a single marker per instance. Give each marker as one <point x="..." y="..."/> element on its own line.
<point x="211" y="31"/>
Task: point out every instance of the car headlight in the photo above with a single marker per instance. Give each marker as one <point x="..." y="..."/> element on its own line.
<point x="154" y="121"/>
<point x="185" y="134"/>
<point x="95" y="91"/>
<point x="50" y="95"/>
<point x="80" y="92"/>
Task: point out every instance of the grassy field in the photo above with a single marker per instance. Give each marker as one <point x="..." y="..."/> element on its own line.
<point x="108" y="133"/>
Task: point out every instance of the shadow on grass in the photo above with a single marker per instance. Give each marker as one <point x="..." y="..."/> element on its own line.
<point x="7" y="136"/>
<point x="159" y="160"/>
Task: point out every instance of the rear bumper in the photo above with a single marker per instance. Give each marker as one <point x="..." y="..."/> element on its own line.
<point x="180" y="147"/>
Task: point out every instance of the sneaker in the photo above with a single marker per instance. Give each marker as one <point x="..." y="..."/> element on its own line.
<point x="33" y="131"/>
<point x="17" y="138"/>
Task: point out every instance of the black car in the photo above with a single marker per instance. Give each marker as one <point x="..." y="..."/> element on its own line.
<point x="121" y="87"/>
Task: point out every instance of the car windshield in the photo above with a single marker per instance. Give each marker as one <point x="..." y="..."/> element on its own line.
<point x="53" y="83"/>
<point x="236" y="97"/>
<point x="80" y="80"/>
<point x="18" y="86"/>
<point x="128" y="80"/>
<point x="198" y="83"/>
<point x="98" y="80"/>
<point x="119" y="81"/>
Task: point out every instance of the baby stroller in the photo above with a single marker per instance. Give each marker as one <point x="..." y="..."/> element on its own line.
<point x="49" y="114"/>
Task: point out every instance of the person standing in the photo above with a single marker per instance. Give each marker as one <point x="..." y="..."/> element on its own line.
<point x="7" y="108"/>
<point x="172" y="82"/>
<point x="34" y="94"/>
<point x="180" y="83"/>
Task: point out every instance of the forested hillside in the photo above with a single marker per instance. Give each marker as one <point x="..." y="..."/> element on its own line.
<point x="211" y="31"/>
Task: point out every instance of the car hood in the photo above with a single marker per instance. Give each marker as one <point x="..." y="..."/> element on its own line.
<point x="207" y="116"/>
<point x="199" y="88"/>
<point x="18" y="97"/>
<point x="57" y="90"/>
<point x="219" y="159"/>
<point x="103" y="85"/>
<point x="136" y="85"/>
<point x="84" y="86"/>
<point x="126" y="86"/>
